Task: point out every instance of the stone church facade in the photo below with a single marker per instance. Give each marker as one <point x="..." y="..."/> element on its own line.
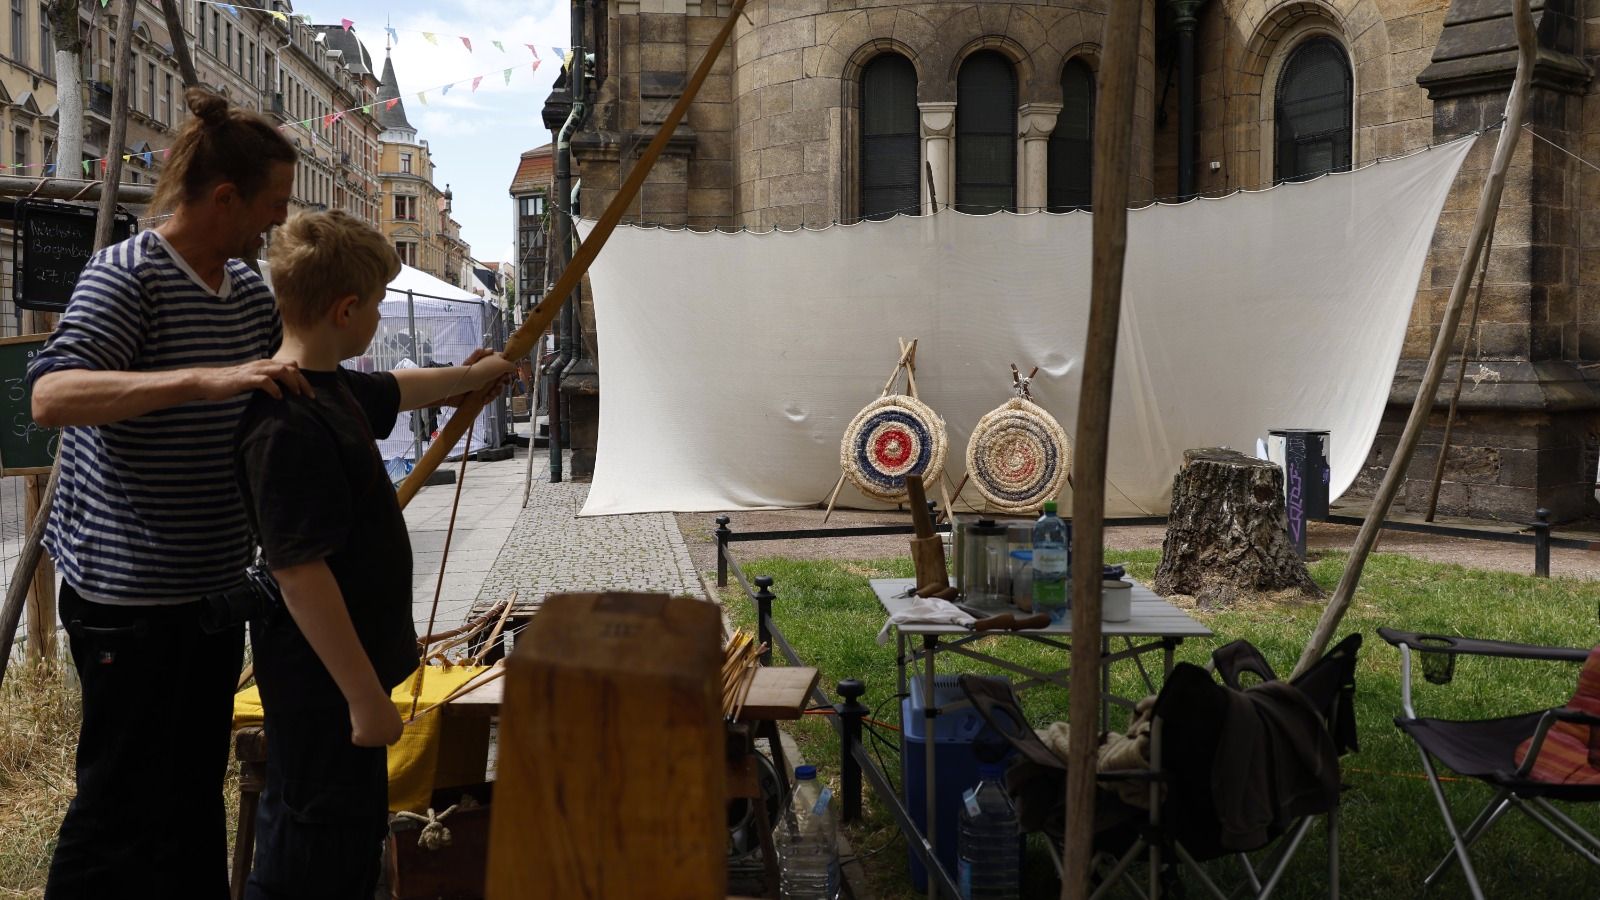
<point x="826" y="111"/>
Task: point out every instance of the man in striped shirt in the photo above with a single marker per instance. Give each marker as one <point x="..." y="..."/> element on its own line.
<point x="165" y="338"/>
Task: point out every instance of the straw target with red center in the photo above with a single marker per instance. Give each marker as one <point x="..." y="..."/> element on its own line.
<point x="891" y="438"/>
<point x="1018" y="456"/>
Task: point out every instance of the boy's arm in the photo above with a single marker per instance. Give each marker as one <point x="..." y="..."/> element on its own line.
<point x="426" y="387"/>
<point x="313" y="598"/>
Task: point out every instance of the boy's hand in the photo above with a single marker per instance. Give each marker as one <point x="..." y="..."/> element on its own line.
<point x="375" y="722"/>
<point x="487" y="374"/>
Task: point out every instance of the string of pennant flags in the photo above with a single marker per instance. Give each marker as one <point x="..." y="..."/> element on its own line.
<point x="328" y="120"/>
<point x="431" y="37"/>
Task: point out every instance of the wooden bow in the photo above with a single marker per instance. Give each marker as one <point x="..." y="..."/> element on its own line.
<point x="540" y="317"/>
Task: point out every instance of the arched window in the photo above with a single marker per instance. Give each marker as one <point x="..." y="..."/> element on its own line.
<point x="986" y="134"/>
<point x="1312" y="117"/>
<point x="891" y="142"/>
<point x="1072" y="143"/>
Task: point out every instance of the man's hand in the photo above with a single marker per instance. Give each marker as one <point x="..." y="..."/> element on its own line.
<point x="267" y="375"/>
<point x="374" y="722"/>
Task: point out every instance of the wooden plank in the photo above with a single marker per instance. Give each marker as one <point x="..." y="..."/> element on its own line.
<point x="779" y="693"/>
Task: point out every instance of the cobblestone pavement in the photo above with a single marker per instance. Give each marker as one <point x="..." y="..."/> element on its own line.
<point x="551" y="549"/>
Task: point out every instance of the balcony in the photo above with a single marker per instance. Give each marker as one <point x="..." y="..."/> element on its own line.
<point x="100" y="99"/>
<point x="344" y="157"/>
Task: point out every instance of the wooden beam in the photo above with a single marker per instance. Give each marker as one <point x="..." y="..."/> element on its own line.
<point x="180" y="43"/>
<point x="539" y="318"/>
<point x="71" y="189"/>
<point x="1488" y="207"/>
<point x="1113" y="151"/>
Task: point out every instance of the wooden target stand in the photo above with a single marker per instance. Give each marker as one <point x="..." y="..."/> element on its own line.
<point x="906" y="365"/>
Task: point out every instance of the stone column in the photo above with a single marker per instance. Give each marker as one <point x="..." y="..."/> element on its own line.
<point x="938" y="148"/>
<point x="1036" y="121"/>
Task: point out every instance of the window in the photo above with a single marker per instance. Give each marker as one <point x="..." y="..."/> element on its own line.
<point x="891" y="138"/>
<point x="407" y="251"/>
<point x="47" y="44"/>
<point x="405" y="207"/>
<point x="166" y="99"/>
<point x="531" y="207"/>
<point x="150" y="90"/>
<point x="227" y="43"/>
<point x="1072" y="143"/>
<point x="1312" y="112"/>
<point x="21" y="139"/>
<point x="405" y="163"/>
<point x="986" y="134"/>
<point x="19" y="34"/>
<point x="49" y="156"/>
<point x="215" y="13"/>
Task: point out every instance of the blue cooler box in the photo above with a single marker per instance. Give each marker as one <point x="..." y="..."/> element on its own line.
<point x="955" y="766"/>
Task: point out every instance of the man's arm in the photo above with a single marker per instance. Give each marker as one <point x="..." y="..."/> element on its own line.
<point x="426" y="387"/>
<point x="313" y="598"/>
<point x="90" y="397"/>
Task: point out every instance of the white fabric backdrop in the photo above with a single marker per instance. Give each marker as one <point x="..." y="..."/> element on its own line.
<point x="731" y="363"/>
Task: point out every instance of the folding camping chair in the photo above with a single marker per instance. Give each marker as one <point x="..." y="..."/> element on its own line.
<point x="1529" y="759"/>
<point x="1186" y="818"/>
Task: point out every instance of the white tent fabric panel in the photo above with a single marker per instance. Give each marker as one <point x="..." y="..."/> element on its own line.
<point x="733" y="362"/>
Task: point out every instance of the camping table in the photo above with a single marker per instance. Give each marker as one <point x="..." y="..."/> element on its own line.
<point x="1154" y="625"/>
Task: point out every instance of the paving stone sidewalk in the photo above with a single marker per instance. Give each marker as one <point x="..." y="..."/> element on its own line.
<point x="552" y="549"/>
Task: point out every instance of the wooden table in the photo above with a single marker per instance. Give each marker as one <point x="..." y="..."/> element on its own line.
<point x="1154" y="625"/>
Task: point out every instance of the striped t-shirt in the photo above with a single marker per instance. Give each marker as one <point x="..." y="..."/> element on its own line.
<point x="147" y="509"/>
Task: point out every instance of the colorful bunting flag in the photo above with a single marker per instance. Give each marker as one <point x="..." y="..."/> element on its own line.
<point x="149" y="159"/>
<point x="280" y="17"/>
<point x="391" y="102"/>
<point x="367" y="109"/>
<point x="467" y="41"/>
<point x="536" y="64"/>
<point x="447" y="89"/>
<point x="508" y="76"/>
<point x="231" y="8"/>
<point x="561" y="52"/>
<point x="476" y="81"/>
<point x="499" y="46"/>
<point x="534" y="50"/>
<point x="348" y="24"/>
<point x="86" y="168"/>
<point x="431" y="38"/>
<point x="423" y="97"/>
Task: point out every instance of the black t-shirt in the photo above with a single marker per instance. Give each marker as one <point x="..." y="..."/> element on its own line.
<point x="317" y="489"/>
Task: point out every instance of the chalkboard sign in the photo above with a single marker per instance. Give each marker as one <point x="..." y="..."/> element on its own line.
<point x="57" y="240"/>
<point x="25" y="447"/>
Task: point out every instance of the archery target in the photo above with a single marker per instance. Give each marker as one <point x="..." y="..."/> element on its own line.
<point x="1018" y="456"/>
<point x="891" y="438"/>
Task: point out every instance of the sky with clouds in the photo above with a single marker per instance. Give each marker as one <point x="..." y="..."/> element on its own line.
<point x="476" y="137"/>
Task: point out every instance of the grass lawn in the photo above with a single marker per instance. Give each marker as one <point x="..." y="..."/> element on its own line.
<point x="1391" y="833"/>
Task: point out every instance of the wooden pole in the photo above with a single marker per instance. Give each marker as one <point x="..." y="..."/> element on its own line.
<point x="1488" y="206"/>
<point x="1461" y="376"/>
<point x="121" y="86"/>
<point x="1113" y="150"/>
<point x="180" y="43"/>
<point x="539" y="318"/>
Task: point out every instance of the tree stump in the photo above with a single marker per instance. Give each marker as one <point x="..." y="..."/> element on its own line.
<point x="1228" y="532"/>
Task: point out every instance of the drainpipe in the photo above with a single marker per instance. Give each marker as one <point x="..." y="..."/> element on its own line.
<point x="572" y="343"/>
<point x="561" y="228"/>
<point x="1185" y="15"/>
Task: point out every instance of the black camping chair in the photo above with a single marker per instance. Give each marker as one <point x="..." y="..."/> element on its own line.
<point x="1186" y="819"/>
<point x="1486" y="749"/>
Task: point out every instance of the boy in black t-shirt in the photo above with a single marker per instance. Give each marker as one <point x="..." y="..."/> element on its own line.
<point x="333" y="535"/>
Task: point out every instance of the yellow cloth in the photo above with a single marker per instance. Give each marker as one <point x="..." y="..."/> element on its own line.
<point x="432" y="752"/>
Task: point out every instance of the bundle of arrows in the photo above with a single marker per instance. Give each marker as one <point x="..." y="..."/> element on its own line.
<point x="740" y="658"/>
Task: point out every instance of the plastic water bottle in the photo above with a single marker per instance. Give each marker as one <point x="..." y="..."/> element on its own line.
<point x="1051" y="563"/>
<point x="990" y="855"/>
<point x="808" y="850"/>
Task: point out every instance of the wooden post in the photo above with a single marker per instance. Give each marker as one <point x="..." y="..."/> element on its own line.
<point x="42" y="587"/>
<point x="121" y="86"/>
<point x="545" y="310"/>
<point x="1461" y="375"/>
<point x="1488" y="206"/>
<point x="180" y="43"/>
<point x="1113" y="150"/>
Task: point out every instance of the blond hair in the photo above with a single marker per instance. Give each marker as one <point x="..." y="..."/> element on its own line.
<point x="219" y="144"/>
<point x="319" y="258"/>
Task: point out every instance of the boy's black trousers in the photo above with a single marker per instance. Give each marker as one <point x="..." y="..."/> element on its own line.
<point x="148" y="818"/>
<point x="324" y="814"/>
